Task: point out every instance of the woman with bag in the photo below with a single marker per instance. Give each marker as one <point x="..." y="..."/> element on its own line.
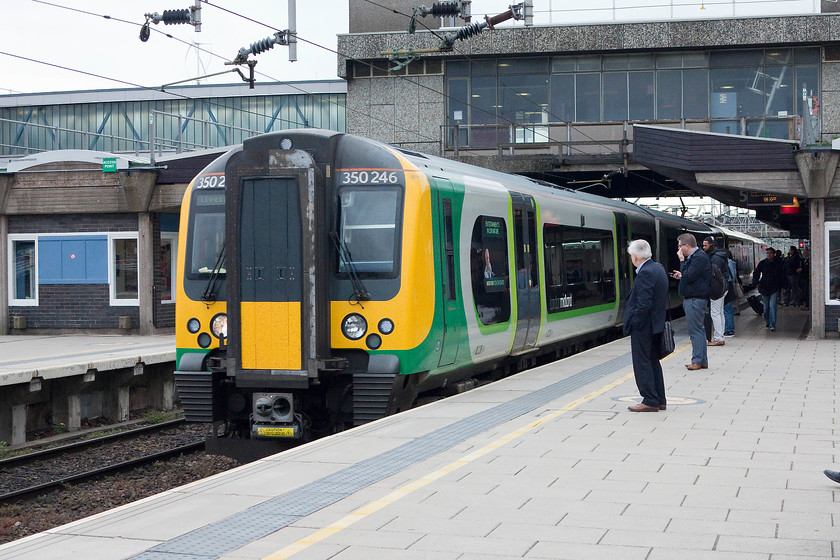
<point x="735" y="293"/>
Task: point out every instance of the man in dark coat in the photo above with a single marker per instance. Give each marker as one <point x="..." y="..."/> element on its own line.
<point x="644" y="321"/>
<point x="769" y="277"/>
<point x="695" y="275"/>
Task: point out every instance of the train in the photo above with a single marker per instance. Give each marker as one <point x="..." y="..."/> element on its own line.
<point x="326" y="280"/>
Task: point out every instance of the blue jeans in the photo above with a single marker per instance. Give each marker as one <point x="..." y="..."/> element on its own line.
<point x="770" y="306"/>
<point x="695" y="311"/>
<point x="729" y="318"/>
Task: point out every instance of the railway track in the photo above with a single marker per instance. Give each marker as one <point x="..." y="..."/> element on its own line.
<point x="91" y="459"/>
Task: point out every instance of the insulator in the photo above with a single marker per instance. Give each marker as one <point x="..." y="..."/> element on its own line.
<point x="262" y="45"/>
<point x="470" y="30"/>
<point x="443" y="9"/>
<point x="174" y="17"/>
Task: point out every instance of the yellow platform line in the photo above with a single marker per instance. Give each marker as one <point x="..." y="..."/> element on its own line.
<point x="411" y="487"/>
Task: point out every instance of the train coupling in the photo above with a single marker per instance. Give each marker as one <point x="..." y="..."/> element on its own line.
<point x="274" y="417"/>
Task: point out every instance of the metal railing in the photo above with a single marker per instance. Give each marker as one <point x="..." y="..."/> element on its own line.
<point x="596" y="138"/>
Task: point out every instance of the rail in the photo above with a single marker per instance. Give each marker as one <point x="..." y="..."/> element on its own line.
<point x="596" y="138"/>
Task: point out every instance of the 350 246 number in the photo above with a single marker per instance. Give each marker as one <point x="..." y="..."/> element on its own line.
<point x="369" y="177"/>
<point x="210" y="182"/>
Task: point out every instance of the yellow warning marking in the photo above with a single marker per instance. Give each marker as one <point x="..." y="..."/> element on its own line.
<point x="404" y="491"/>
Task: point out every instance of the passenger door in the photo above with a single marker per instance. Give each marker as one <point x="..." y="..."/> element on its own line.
<point x="526" y="272"/>
<point x="448" y="274"/>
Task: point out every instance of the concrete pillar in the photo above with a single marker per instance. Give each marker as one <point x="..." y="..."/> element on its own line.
<point x="161" y="387"/>
<point x="818" y="272"/>
<point x="74" y="411"/>
<point x="145" y="273"/>
<point x="116" y="404"/>
<point x="4" y="275"/>
<point x="18" y="424"/>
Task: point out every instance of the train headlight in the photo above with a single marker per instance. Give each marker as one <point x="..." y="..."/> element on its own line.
<point x="374" y="341"/>
<point x="218" y="325"/>
<point x="193" y="325"/>
<point x="354" y="326"/>
<point x="386" y="326"/>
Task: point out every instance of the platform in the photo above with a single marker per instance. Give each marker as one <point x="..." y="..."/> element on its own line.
<point x="545" y="464"/>
<point x="64" y="378"/>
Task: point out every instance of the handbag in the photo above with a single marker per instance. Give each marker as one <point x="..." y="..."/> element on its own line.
<point x="666" y="343"/>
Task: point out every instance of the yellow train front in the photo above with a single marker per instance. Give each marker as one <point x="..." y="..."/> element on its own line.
<point x="300" y="299"/>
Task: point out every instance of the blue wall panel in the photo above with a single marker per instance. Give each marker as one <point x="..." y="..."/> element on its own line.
<point x="73" y="260"/>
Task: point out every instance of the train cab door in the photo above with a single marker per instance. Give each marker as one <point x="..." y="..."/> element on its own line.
<point x="526" y="273"/>
<point x="448" y="274"/>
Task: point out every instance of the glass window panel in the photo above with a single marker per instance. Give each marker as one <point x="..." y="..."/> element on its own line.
<point x="778" y="57"/>
<point x="669" y="60"/>
<point x="695" y="60"/>
<point x="483" y="68"/>
<point x="563" y="64"/>
<point x="166" y="266"/>
<point x="806" y="56"/>
<point x="23" y="269"/>
<point x="780" y="94"/>
<point x="641" y="96"/>
<point x="615" y="96"/>
<point x="615" y="62"/>
<point x="457" y="90"/>
<point x="125" y="268"/>
<point x="588" y="97"/>
<point x="523" y="66"/>
<point x="695" y="94"/>
<point x="457" y="68"/>
<point x="368" y="229"/>
<point x="736" y="59"/>
<point x="639" y="61"/>
<point x="562" y="98"/>
<point x="589" y="63"/>
<point x="833" y="267"/>
<point x="483" y="111"/>
<point x="807" y="86"/>
<point x="668" y="94"/>
<point x="523" y="98"/>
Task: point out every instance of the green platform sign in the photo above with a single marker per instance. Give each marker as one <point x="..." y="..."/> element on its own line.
<point x="109" y="165"/>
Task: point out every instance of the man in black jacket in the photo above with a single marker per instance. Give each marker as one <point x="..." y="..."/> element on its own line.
<point x="694" y="275"/>
<point x="769" y="277"/>
<point x="792" y="266"/>
<point x="718" y="257"/>
<point x="644" y="321"/>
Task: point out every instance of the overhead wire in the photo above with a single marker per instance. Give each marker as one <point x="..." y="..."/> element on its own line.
<point x="186" y="97"/>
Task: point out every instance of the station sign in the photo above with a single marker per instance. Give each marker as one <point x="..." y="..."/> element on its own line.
<point x="109" y="165"/>
<point x="755" y="198"/>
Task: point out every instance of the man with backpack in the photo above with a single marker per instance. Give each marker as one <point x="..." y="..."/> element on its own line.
<point x="717" y="293"/>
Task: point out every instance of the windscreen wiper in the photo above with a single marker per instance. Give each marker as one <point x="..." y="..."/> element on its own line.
<point x="209" y="294"/>
<point x="360" y="293"/>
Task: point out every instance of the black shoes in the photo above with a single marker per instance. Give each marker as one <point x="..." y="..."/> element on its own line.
<point x="833" y="475"/>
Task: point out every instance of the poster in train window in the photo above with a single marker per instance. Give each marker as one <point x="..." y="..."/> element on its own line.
<point x="490" y="270"/>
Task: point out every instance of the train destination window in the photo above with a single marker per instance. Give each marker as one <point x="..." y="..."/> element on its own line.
<point x="490" y="270"/>
<point x="368" y="226"/>
<point x="579" y="267"/>
<point x="208" y="233"/>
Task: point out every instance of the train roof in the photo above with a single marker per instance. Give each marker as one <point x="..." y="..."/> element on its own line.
<point x="740" y="235"/>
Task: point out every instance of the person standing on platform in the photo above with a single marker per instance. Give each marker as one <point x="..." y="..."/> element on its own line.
<point x="769" y="277"/>
<point x="695" y="275"/>
<point x="805" y="279"/>
<point x="792" y="265"/>
<point x="731" y="298"/>
<point x="718" y="258"/>
<point x="644" y="321"/>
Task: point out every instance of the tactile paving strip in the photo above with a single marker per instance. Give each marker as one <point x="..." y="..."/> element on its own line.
<point x="216" y="539"/>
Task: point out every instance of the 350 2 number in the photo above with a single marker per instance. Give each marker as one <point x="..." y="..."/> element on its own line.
<point x="369" y="177"/>
<point x="210" y="182"/>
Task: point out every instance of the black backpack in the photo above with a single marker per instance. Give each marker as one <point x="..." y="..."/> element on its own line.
<point x="717" y="285"/>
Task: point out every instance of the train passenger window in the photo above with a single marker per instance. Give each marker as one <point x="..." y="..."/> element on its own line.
<point x="368" y="229"/>
<point x="490" y="270"/>
<point x="579" y="267"/>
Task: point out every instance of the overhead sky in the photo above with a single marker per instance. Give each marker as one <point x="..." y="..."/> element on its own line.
<point x="47" y="31"/>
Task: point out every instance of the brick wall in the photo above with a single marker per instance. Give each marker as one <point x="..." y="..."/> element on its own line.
<point x="73" y="223"/>
<point x="73" y="306"/>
